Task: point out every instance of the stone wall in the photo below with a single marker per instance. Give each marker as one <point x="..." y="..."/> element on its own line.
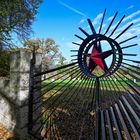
<point x="6" y="105"/>
<point x="14" y="94"/>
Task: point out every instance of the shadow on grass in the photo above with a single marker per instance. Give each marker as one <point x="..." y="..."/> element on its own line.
<point x="70" y="112"/>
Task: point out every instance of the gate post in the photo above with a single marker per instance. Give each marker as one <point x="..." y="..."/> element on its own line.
<point x="97" y="136"/>
<point x="19" y="89"/>
<point x="34" y="82"/>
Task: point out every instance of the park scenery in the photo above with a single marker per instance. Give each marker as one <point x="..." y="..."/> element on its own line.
<point x="69" y="70"/>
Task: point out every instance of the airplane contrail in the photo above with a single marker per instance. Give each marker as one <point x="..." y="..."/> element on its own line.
<point x="72" y="9"/>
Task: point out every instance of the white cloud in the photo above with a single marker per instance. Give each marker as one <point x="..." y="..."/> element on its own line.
<point x="137" y="25"/>
<point x="110" y="18"/>
<point x="104" y="25"/>
<point x="135" y="21"/>
<point x="126" y="25"/>
<point x="125" y="36"/>
<point x="72" y="9"/>
<point x="130" y="7"/>
<point x="97" y="19"/>
<point x="132" y="15"/>
<point x="103" y="28"/>
<point x="134" y="30"/>
<point x="82" y="21"/>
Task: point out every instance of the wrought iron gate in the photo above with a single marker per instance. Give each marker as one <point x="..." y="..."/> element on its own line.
<point x="88" y="99"/>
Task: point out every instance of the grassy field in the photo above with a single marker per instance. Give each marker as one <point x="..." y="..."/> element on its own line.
<point x="56" y="91"/>
<point x="70" y="103"/>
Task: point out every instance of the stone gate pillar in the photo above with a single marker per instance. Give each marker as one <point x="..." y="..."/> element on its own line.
<point x="19" y="89"/>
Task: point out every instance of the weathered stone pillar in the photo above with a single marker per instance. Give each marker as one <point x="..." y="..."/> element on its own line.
<point x="19" y="89"/>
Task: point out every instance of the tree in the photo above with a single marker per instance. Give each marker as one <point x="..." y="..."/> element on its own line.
<point x="49" y="49"/>
<point x="16" y="17"/>
<point x="4" y="62"/>
<point x="61" y="61"/>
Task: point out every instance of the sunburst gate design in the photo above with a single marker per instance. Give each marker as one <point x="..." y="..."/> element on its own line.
<point x="90" y="98"/>
<point x="92" y="58"/>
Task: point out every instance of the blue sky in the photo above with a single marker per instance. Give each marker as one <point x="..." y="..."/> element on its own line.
<point x="60" y="19"/>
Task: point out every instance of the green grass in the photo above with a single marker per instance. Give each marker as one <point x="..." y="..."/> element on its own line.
<point x="46" y="85"/>
<point x="74" y="100"/>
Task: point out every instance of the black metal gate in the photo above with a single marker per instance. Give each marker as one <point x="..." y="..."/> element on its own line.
<point x="77" y="104"/>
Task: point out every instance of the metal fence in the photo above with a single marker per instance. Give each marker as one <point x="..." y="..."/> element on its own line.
<point x="74" y="106"/>
<point x="72" y="103"/>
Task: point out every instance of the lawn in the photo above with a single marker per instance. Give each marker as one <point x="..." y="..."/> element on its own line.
<point x="69" y="106"/>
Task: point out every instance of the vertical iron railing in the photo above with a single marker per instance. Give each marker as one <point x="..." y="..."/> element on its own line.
<point x="72" y="97"/>
<point x="31" y="92"/>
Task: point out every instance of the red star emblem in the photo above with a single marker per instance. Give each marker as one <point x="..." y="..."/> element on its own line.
<point x="97" y="58"/>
